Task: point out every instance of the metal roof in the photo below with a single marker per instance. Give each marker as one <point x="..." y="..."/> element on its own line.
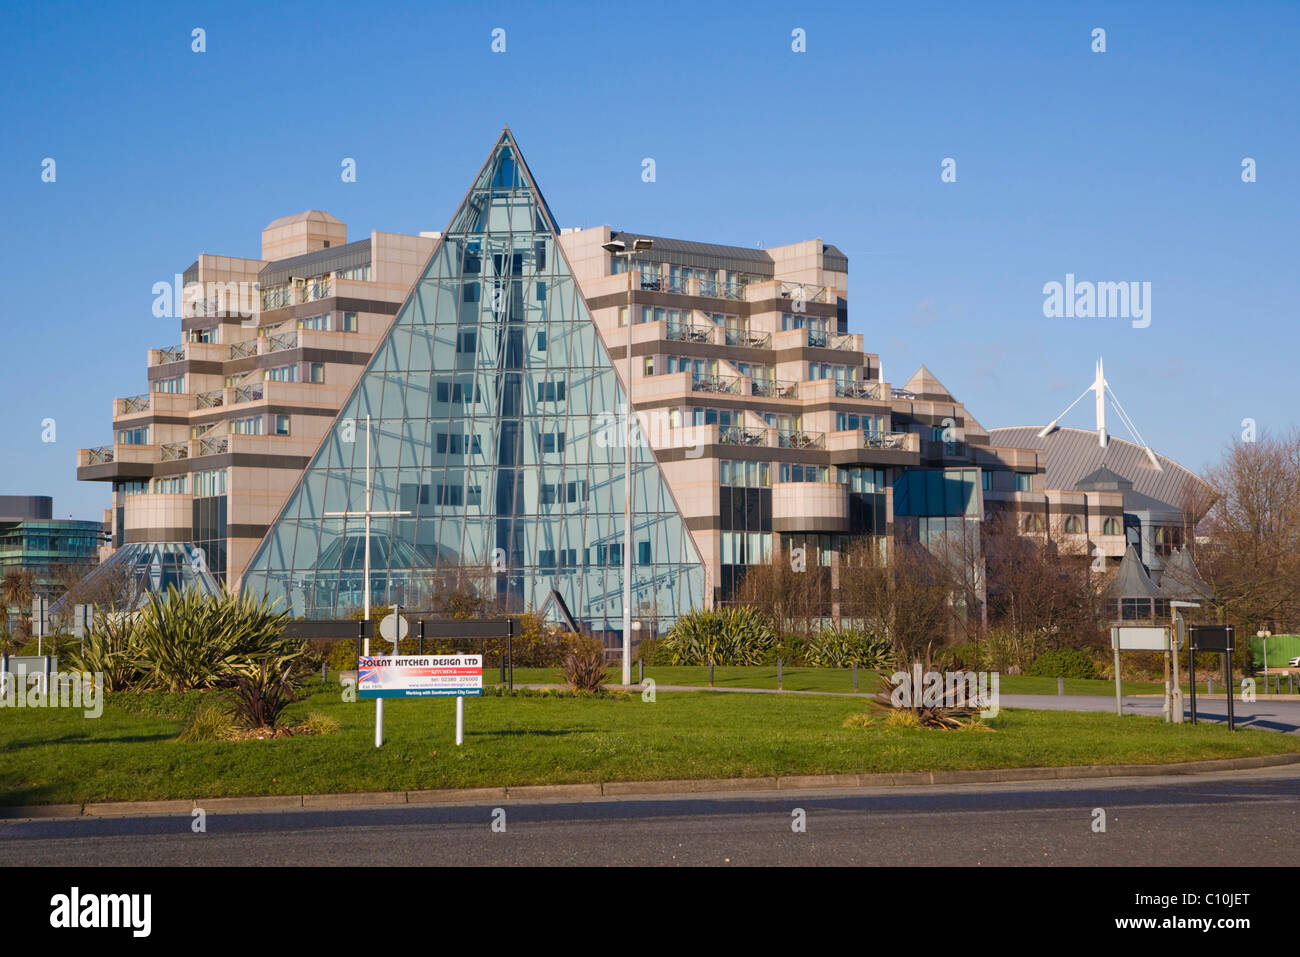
<point x="758" y="262"/>
<point x="1073" y="455"/>
<point x="316" y="263"/>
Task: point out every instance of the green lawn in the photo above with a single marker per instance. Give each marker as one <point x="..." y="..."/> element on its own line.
<point x="60" y="756"/>
<point x="832" y="679"/>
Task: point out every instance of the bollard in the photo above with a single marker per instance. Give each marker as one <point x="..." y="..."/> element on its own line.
<point x="1060" y="686"/>
<point x="710" y="674"/>
<point x="1290" y="683"/>
<point x="855" y="676"/>
<point x="1209" y="685"/>
<point x="324" y="671"/>
<point x="779" y="665"/>
<point x="640" y="671"/>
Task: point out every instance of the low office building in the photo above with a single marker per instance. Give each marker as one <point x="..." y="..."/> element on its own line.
<point x="52" y="551"/>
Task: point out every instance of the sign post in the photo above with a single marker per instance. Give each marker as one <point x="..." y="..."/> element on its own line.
<point x="1223" y="639"/>
<point x="421" y="676"/>
<point x="1138" y="638"/>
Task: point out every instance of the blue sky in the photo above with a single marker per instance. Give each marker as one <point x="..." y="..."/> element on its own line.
<point x="1115" y="166"/>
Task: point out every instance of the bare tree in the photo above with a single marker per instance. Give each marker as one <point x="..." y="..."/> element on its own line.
<point x="792" y="590"/>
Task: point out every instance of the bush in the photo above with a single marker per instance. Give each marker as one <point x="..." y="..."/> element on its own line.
<point x="317" y="722"/>
<point x="584" y="665"/>
<point x="342" y="656"/>
<point x="847" y="646"/>
<point x="1063" y="662"/>
<point x="260" y="697"/>
<point x="210" y="722"/>
<point x="727" y="636"/>
<point x="653" y="651"/>
<point x="108" y="651"/>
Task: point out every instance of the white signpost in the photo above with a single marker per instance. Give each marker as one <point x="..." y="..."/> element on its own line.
<point x="1138" y="638"/>
<point x="422" y="676"/>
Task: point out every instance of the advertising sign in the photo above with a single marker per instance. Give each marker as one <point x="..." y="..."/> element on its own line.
<point x="419" y="676"/>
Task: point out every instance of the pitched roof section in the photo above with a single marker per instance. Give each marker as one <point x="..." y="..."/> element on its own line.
<point x="1073" y="456"/>
<point x="926" y="385"/>
<point x="1132" y="580"/>
<point x="307" y="215"/>
<point x="1181" y="579"/>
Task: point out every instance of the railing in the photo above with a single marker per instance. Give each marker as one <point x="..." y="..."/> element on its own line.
<point x="716" y="383"/>
<point x="171" y="354"/>
<point x="775" y="388"/>
<point x="858" y="390"/>
<point x="209" y="400"/>
<point x="817" y="339"/>
<point x="683" y="332"/>
<point x="843" y="343"/>
<point x="901" y="394"/>
<point x="135" y="403"/>
<point x="100" y="455"/>
<point x="798" y="439"/>
<point x="674" y="284"/>
<point x="741" y="436"/>
<point x="315" y="289"/>
<point x="753" y="340"/>
<point x="798" y="290"/>
<point x="172" y="451"/>
<point x="247" y="393"/>
<point x="242" y="350"/>
<point x="651" y="285"/>
<point x="282" y="341"/>
<point x="884" y="440"/>
<point x="214" y="446"/>
<point x="277" y="297"/>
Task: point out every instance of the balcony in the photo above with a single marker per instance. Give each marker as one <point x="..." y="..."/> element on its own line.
<point x="886" y="440"/>
<point x="246" y="393"/>
<point x="173" y="451"/>
<point x="242" y="350"/>
<point x="799" y="439"/>
<point x="859" y="390"/>
<point x="280" y="342"/>
<point x="679" y="332"/>
<point x="742" y="436"/>
<point x="810" y="507"/>
<point x="131" y="405"/>
<point x="750" y="340"/>
<point x="100" y="455"/>
<point x="723" y="384"/>
<point x="213" y="446"/>
<point x="209" y="400"/>
<point x="896" y="393"/>
<point x="774" y="388"/>
<point x="161" y="357"/>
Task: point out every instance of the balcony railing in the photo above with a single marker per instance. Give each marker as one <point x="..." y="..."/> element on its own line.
<point x="171" y="354"/>
<point x="242" y="350"/>
<point x="716" y="383"/>
<point x="753" y="340"/>
<point x="315" y="289"/>
<point x="214" y="446"/>
<point x="685" y="332"/>
<point x="171" y="451"/>
<point x="796" y="290"/>
<point x="282" y="341"/>
<point x="649" y="284"/>
<point x="135" y="403"/>
<point x="100" y="455"/>
<point x="247" y="393"/>
<point x="209" y="400"/>
<point x="742" y="436"/>
<point x="884" y="440"/>
<point x="277" y="297"/>
<point x="843" y="343"/>
<point x="775" y="388"/>
<point x="897" y="393"/>
<point x="817" y="339"/>
<point x="799" y="439"/>
<point x="858" y="390"/>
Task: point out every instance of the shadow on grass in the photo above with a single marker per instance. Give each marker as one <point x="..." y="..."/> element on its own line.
<point x="88" y="739"/>
<point x="558" y="732"/>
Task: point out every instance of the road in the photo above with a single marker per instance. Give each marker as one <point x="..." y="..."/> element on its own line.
<point x="1224" y="818"/>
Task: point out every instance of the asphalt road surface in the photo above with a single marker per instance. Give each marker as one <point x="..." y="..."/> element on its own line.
<point x="1225" y="818"/>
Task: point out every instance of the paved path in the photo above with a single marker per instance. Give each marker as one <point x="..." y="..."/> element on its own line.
<point x="1223" y="818"/>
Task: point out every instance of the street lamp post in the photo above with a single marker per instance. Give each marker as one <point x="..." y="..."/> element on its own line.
<point x="618" y="248"/>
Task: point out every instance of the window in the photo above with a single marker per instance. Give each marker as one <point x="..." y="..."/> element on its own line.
<point x="1033" y="523"/>
<point x="552" y="442"/>
<point x="450" y="495"/>
<point x="467" y="341"/>
<point x="320" y="323"/>
<point x="253" y="425"/>
<point x="136" y="436"/>
<point x="622" y="315"/>
<point x="175" y="485"/>
<point x="287" y="373"/>
<point x="541" y="292"/>
<point x="211" y="482"/>
<point x="986" y="480"/>
<point x="470" y="293"/>
<point x="317" y="372"/>
<point x="1024" y="482"/>
<point x="349" y="323"/>
<point x="474" y="494"/>
<point x="281" y="425"/>
<point x="1073" y="526"/>
<point x="1111" y="526"/>
<point x="541" y="341"/>
<point x="643" y="553"/>
<point x="134" y="487"/>
<point x="550" y="392"/>
<point x="174" y="385"/>
<point x="649" y="365"/>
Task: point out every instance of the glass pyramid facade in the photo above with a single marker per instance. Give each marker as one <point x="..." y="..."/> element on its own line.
<point x="494" y="424"/>
<point x="125" y="580"/>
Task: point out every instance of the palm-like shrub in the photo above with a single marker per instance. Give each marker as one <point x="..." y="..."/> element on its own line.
<point x="185" y="640"/>
<point x="260" y="695"/>
<point x="108" y="651"/>
<point x="724" y="636"/>
<point x="848" y="646"/>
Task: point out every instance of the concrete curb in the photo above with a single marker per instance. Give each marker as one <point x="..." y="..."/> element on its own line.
<point x="578" y="792"/>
